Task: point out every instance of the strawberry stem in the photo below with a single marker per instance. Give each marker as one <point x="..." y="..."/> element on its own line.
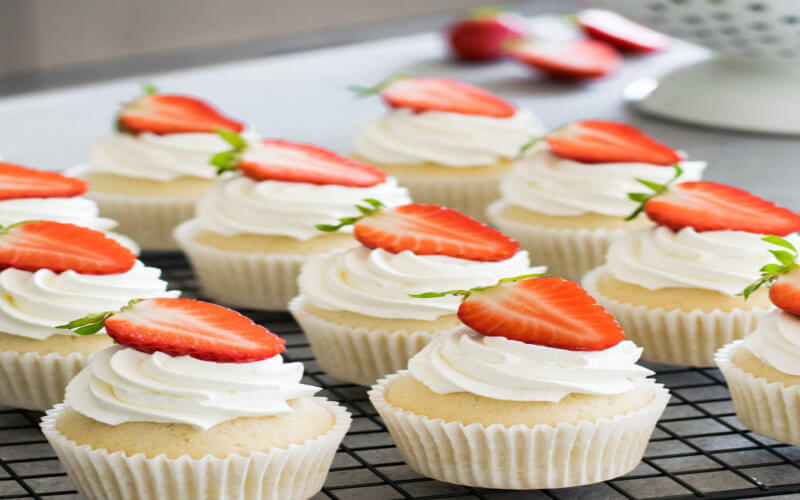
<point x="658" y="189"/>
<point x="93" y="323"/>
<point x="373" y="208"/>
<point x="771" y="272"/>
<point x="376" y="89"/>
<point x="228" y="160"/>
<point x="487" y="12"/>
<point x="528" y="145"/>
<point x="467" y="293"/>
<point x="149" y="88"/>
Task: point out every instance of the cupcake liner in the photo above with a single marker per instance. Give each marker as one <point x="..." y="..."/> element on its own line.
<point x="569" y="253"/>
<point x="520" y="457"/>
<point x="675" y="336"/>
<point x="36" y="381"/>
<point x="469" y="194"/>
<point x="252" y="281"/>
<point x="294" y="473"/>
<point x="357" y="355"/>
<point x="768" y="408"/>
<point x="149" y="220"/>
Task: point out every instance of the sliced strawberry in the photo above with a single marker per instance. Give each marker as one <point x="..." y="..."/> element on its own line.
<point x="172" y="114"/>
<point x="785" y="292"/>
<point x="187" y="327"/>
<point x="480" y="36"/>
<point x="278" y="160"/>
<point x="596" y="141"/>
<point x="570" y="59"/>
<point x="550" y="312"/>
<point x="22" y="182"/>
<point x="433" y="230"/>
<point x="710" y="206"/>
<point x="621" y="32"/>
<point x="31" y="246"/>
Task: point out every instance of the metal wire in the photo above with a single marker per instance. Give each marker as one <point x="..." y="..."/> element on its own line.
<point x="699" y="449"/>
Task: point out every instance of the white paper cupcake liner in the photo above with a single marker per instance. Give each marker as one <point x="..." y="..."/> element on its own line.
<point x="237" y="279"/>
<point x="469" y="194"/>
<point x="768" y="408"/>
<point x="36" y="381"/>
<point x="295" y="473"/>
<point x="357" y="355"/>
<point x="569" y="253"/>
<point x="149" y="220"/>
<point x="520" y="457"/>
<point x="675" y="336"/>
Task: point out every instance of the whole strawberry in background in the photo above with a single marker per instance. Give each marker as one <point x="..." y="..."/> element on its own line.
<point x="480" y="36"/>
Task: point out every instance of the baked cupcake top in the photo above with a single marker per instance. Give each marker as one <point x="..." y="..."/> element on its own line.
<point x="162" y="137"/>
<point x="410" y="249"/>
<point x="539" y="339"/>
<point x="445" y="122"/>
<point x="54" y="272"/>
<point x="183" y="361"/>
<point x="590" y="167"/>
<point x="708" y="235"/>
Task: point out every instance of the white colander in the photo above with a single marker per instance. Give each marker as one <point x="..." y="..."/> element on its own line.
<point x="753" y="80"/>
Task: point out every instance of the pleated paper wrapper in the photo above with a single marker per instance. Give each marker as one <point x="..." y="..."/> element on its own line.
<point x="469" y="195"/>
<point x="36" y="381"/>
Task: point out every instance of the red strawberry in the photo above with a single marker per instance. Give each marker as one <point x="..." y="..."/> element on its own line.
<point x="596" y="141"/>
<point x="480" y="36"/>
<point x="710" y="206"/>
<point x="785" y="292"/>
<point x="22" y="182"/>
<point x="570" y="59"/>
<point x="438" y="94"/>
<point x="621" y="32"/>
<point x="783" y="277"/>
<point x="172" y="114"/>
<point x="551" y="312"/>
<point x="31" y="246"/>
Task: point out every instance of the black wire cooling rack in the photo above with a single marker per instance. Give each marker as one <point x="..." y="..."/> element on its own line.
<point x="699" y="449"/>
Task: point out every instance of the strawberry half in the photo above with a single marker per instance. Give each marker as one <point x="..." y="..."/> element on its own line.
<point x="785" y="293"/>
<point x="480" y="36"/>
<point x="782" y="277"/>
<point x="621" y="32"/>
<point x="172" y="114"/>
<point x="438" y="94"/>
<point x="31" y="246"/>
<point x="185" y="327"/>
<point x="597" y="141"/>
<point x="21" y="182"/>
<point x="570" y="59"/>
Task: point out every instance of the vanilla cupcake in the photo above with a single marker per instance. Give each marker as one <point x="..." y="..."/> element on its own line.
<point x="253" y="230"/>
<point x="676" y="288"/>
<point x="566" y="199"/>
<point x="448" y="142"/>
<point x="195" y="402"/>
<point x="538" y="390"/>
<point x="354" y="306"/>
<point x="151" y="172"/>
<point x="72" y="272"/>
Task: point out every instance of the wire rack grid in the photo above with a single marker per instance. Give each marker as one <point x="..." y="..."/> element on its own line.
<point x="699" y="449"/>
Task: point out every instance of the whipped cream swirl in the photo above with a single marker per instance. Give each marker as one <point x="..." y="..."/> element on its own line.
<point x="32" y="304"/>
<point x="545" y="183"/>
<point x="377" y="283"/>
<point x="79" y="211"/>
<point x="452" y="139"/>
<point x="240" y="205"/>
<point x="125" y="385"/>
<point x="509" y="370"/>
<point x="776" y="341"/>
<point x="658" y="257"/>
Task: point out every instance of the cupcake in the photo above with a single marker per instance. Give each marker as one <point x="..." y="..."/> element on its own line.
<point x="194" y="402"/>
<point x="354" y="306"/>
<point x="763" y="370"/>
<point x="538" y="389"/>
<point x="150" y="173"/>
<point x="676" y="287"/>
<point x="53" y="273"/>
<point x="565" y="200"/>
<point x="254" y="229"/>
<point x="29" y="194"/>
<point x="448" y="142"/>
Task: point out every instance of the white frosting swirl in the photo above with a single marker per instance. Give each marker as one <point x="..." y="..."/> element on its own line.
<point x="509" y="370"/>
<point x="776" y="341"/>
<point x="545" y="183"/>
<point x="240" y="205"/>
<point x="77" y="210"/>
<point x="377" y="283"/>
<point x="453" y="139"/>
<point x="125" y="385"/>
<point x="32" y="304"/>
<point x="658" y="257"/>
